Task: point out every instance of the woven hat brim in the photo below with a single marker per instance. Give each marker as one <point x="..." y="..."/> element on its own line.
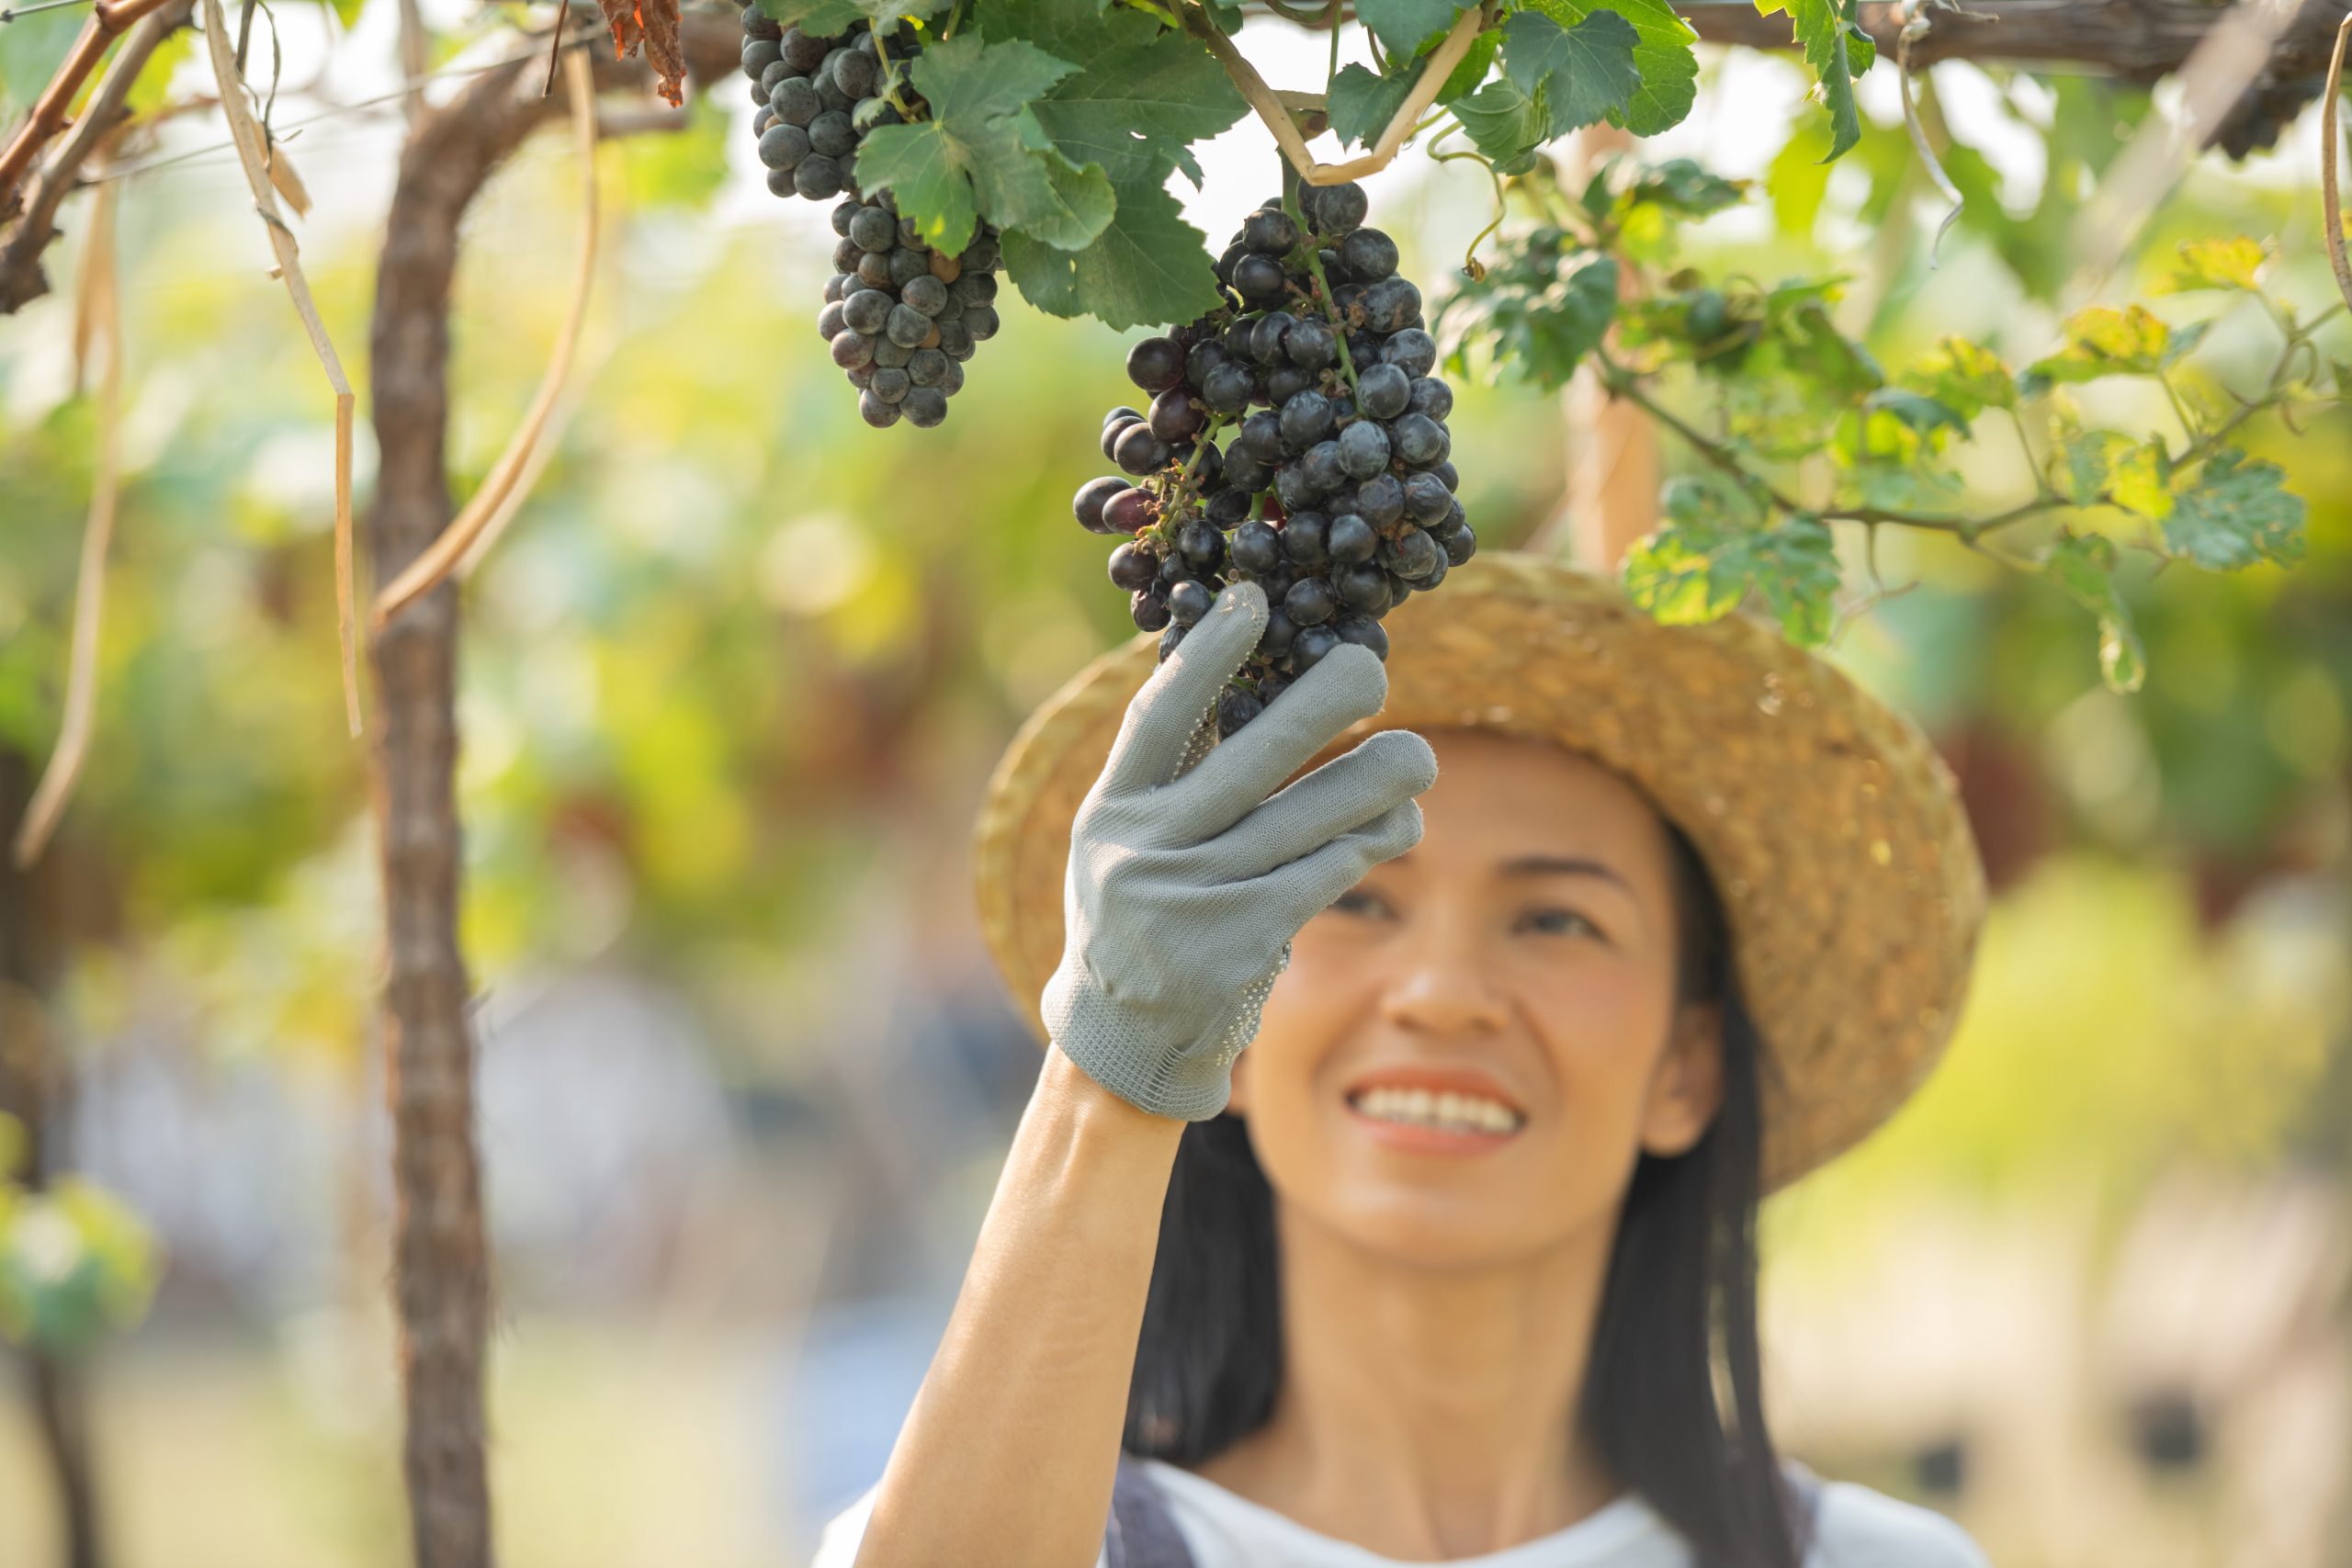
<point x="1833" y="832"/>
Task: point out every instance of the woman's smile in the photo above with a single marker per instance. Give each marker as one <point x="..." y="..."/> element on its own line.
<point x="1434" y="1109"/>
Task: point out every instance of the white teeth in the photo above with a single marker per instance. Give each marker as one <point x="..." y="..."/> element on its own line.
<point x="1455" y="1113"/>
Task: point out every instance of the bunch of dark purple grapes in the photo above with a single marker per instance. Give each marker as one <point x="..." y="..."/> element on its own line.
<point x="900" y="317"/>
<point x="1332" y="488"/>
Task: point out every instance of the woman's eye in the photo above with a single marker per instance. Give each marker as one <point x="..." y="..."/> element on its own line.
<point x="1556" y="915"/>
<point x="1354" y="898"/>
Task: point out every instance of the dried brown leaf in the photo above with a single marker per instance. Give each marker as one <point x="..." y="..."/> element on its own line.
<point x="653" y="23"/>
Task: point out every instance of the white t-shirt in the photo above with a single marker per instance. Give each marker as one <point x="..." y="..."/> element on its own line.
<point x="1858" y="1528"/>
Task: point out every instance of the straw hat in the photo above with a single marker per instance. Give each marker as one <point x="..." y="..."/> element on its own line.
<point x="1832" y="829"/>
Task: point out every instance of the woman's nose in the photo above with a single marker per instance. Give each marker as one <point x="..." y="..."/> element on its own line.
<point x="1438" y="987"/>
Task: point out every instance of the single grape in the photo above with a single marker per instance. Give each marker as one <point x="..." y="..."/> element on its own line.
<point x="1122" y="413"/>
<point x="1458" y="543"/>
<point x="1172" y="636"/>
<point x="873" y="270"/>
<point x="1309" y="649"/>
<point x="1201" y="358"/>
<point x="1259" y="277"/>
<point x="1368" y="253"/>
<point x="1384" y="392"/>
<point x="1322" y="465"/>
<point x="1155" y="363"/>
<point x="924" y="294"/>
<point x="925" y="406"/>
<point x="805" y="52"/>
<point x="1175" y="416"/>
<point x="1269" y="231"/>
<point x="1129" y="512"/>
<point x="1228" y="387"/>
<point x="1363" y="448"/>
<point x="1304" y="539"/>
<point x="1229" y="507"/>
<point x="1306" y="419"/>
<point x="889" y="383"/>
<point x="1419" y="440"/>
<point x="1188" y="602"/>
<point x="1256" y="547"/>
<point x="1390" y="305"/>
<point x="867" y="310"/>
<point x="927" y="368"/>
<point x="1363" y="586"/>
<point x="1432" y="397"/>
<point x="853" y="349"/>
<point x="1350" y="539"/>
<point x="876" y="411"/>
<point x="1284" y="382"/>
<point x="817" y="177"/>
<point x="1138" y="451"/>
<point x="828" y="321"/>
<point x="1337" y="210"/>
<point x="1380" y="500"/>
<point x="1426" y="498"/>
<point x="1088" y="503"/>
<point x="1412" y="350"/>
<point x="1132" y="566"/>
<point x="1201" y="546"/>
<point x="1150" y="613"/>
<point x="1310" y="601"/>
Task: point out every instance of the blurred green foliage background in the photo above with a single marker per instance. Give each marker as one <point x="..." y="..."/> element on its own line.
<point x="731" y="687"/>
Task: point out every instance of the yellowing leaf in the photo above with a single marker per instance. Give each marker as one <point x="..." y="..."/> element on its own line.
<point x="2214" y="263"/>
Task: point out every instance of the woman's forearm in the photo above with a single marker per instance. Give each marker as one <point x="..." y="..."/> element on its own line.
<point x="1012" y="1445"/>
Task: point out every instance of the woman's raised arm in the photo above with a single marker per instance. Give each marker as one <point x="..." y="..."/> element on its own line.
<point x="1185" y="884"/>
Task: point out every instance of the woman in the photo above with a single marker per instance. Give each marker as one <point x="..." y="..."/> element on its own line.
<point x="1449" y="1265"/>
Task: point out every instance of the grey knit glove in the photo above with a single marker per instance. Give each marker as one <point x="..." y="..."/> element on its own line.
<point x="1186" y="883"/>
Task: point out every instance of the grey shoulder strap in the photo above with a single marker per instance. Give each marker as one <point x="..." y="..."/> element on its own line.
<point x="1142" y="1532"/>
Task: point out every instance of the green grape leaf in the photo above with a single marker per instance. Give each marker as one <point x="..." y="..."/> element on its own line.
<point x="2215" y="263"/>
<point x="1681" y="187"/>
<point x="1670" y="70"/>
<point x="1404" y="26"/>
<point x="917" y="164"/>
<point x="1361" y="103"/>
<point x="1148" y="267"/>
<point x="1838" y="51"/>
<point x="2235" y="514"/>
<point x="1504" y="123"/>
<point x="887" y="13"/>
<point x="1580" y="74"/>
<point x="826" y="18"/>
<point x="2084" y="564"/>
<point x="1965" y="376"/>
<point x="1715" y="550"/>
<point x="983" y="154"/>
<point x="2101" y="341"/>
<point x="1137" y="96"/>
<point x="1540" y="321"/>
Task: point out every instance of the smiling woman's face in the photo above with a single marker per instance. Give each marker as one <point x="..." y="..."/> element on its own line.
<point x="1519" y="957"/>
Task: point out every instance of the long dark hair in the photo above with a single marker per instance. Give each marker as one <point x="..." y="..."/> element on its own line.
<point x="1682" y="1272"/>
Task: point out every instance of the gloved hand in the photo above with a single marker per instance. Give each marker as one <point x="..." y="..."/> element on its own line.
<point x="1186" y="883"/>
